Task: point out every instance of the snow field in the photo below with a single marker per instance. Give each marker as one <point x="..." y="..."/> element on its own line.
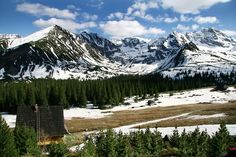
<point x="204" y="95"/>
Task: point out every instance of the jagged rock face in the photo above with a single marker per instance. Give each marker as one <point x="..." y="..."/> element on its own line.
<point x="55" y="49"/>
<point x="180" y="57"/>
<point x="131" y="42"/>
<point x="210" y="37"/>
<point x="56" y="53"/>
<point x="106" y="47"/>
<point x="3" y="44"/>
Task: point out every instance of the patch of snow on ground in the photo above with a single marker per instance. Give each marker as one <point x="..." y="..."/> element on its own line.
<point x="84" y="113"/>
<point x="126" y="128"/>
<point x="198" y="96"/>
<point x="219" y="115"/>
<point x="77" y="147"/>
<point x="211" y="129"/>
<point x="10" y="119"/>
<point x="179" y="98"/>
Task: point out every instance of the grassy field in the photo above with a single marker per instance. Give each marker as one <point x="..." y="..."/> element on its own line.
<point x="135" y="116"/>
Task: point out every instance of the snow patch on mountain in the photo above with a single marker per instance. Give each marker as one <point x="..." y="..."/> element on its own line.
<point x="33" y="37"/>
<point x="57" y="52"/>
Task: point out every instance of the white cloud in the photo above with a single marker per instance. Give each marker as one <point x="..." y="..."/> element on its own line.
<point x="182" y="28"/>
<point x="139" y="9"/>
<point x="206" y="19"/>
<point x="124" y="28"/>
<point x="195" y="27"/>
<point x="73" y="7"/>
<point x="117" y="15"/>
<point x="143" y="6"/>
<point x="65" y="23"/>
<point x="170" y="20"/>
<point x="96" y="3"/>
<point x="190" y="6"/>
<point x="42" y="10"/>
<point x="89" y="17"/>
<point x="184" y="18"/>
<point x="229" y="32"/>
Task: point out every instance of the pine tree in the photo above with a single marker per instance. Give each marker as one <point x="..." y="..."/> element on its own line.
<point x="89" y="149"/>
<point x="220" y="142"/>
<point x="30" y="98"/>
<point x="174" y="139"/>
<point x="101" y="144"/>
<point x="157" y="143"/>
<point x="53" y="98"/>
<point x="203" y="143"/>
<point x="110" y="143"/>
<point x="7" y="146"/>
<point x="21" y="96"/>
<point x="136" y="142"/>
<point x="147" y="142"/>
<point x="123" y="147"/>
<point x="42" y="97"/>
<point x="82" y="99"/>
<point x="62" y="98"/>
<point x="26" y="141"/>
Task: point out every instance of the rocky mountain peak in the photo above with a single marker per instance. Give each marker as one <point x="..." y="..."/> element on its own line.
<point x="132" y="42"/>
<point x="211" y="37"/>
<point x="105" y="46"/>
<point x="56" y="52"/>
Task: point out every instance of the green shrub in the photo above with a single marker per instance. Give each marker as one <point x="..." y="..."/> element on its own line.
<point x="57" y="150"/>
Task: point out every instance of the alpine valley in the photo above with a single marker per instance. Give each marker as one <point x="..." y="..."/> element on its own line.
<point x="57" y="53"/>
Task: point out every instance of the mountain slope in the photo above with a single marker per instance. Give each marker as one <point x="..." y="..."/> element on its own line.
<point x="56" y="53"/>
<point x="213" y="54"/>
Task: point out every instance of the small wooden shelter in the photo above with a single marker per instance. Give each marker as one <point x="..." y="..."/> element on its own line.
<point x="47" y="121"/>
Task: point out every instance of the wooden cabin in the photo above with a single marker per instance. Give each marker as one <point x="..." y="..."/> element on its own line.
<point x="47" y="121"/>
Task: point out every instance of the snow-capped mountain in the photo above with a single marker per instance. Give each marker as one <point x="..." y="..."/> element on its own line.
<point x="211" y="38"/>
<point x="105" y="46"/>
<point x="213" y="52"/>
<point x="56" y="53"/>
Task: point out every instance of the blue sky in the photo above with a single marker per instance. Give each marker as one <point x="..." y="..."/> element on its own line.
<point x="118" y="18"/>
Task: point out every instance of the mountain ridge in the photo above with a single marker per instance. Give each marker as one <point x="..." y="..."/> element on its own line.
<point x="57" y="53"/>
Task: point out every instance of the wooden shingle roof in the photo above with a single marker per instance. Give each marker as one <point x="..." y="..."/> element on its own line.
<point x="48" y="120"/>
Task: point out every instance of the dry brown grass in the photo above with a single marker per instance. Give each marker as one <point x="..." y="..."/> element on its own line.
<point x="184" y="122"/>
<point x="134" y="116"/>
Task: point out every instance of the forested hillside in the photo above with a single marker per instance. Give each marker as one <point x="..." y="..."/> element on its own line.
<point x="75" y="93"/>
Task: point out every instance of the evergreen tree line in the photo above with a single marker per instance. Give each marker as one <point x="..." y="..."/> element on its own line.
<point x="75" y="93"/>
<point x="151" y="144"/>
